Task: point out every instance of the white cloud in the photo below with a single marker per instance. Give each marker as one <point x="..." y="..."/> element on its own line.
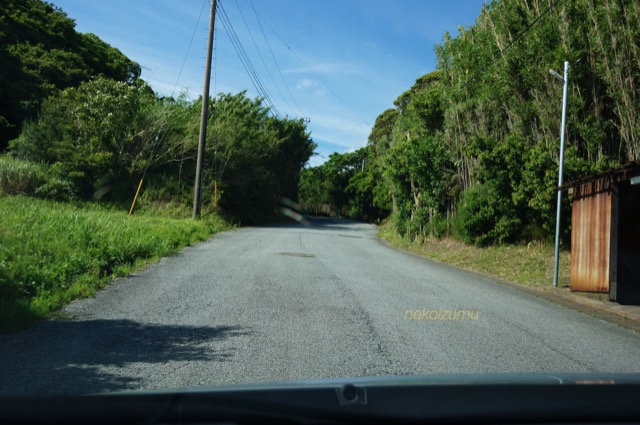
<point x="305" y="83"/>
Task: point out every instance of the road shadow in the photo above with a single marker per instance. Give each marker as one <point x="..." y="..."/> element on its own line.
<point x="88" y="356"/>
<point x="317" y="222"/>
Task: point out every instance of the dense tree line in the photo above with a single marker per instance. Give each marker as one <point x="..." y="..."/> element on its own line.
<point x="84" y="113"/>
<point x="341" y="187"/>
<point x="41" y="53"/>
<point x="102" y="137"/>
<point x="472" y="148"/>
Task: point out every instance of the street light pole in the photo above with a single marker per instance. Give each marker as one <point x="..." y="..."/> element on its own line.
<point x="565" y="81"/>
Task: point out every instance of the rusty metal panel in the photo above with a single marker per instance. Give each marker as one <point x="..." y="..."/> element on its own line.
<point x="590" y="236"/>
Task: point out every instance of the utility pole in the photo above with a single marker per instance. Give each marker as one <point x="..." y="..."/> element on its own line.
<point x="565" y="86"/>
<point x="197" y="187"/>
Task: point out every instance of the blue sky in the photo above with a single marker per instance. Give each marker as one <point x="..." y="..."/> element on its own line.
<point x="339" y="63"/>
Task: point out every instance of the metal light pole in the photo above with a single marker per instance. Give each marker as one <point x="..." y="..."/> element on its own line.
<point x="565" y="82"/>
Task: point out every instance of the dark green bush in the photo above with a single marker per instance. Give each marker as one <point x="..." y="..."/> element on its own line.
<point x="485" y="218"/>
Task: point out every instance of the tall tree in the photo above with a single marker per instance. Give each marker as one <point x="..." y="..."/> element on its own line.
<point x="41" y="53"/>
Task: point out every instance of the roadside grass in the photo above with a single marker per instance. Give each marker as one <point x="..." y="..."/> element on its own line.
<point x="54" y="252"/>
<point x="530" y="265"/>
<point x="20" y="177"/>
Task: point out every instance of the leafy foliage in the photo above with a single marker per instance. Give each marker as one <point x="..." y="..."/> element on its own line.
<point x="41" y="53"/>
<point x="256" y="157"/>
<point x="472" y="148"/>
<point x="88" y="127"/>
<point x="102" y="136"/>
<point x="344" y="186"/>
<point x="94" y="134"/>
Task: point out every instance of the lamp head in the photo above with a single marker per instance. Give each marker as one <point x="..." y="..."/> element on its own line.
<point x="555" y="74"/>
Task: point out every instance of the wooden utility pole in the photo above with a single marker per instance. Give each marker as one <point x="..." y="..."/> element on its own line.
<point x="197" y="187"/>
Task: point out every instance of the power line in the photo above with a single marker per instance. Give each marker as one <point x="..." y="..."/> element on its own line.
<point x="245" y="60"/>
<point x="215" y="65"/>
<point x="188" y="48"/>
<point x="235" y="42"/>
<point x="164" y="130"/>
<point x="316" y="76"/>
<point x="184" y="60"/>
<point x="260" y="54"/>
<point x="514" y="41"/>
<point x="274" y="59"/>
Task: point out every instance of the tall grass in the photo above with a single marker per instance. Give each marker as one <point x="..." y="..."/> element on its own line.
<point x="28" y="178"/>
<point x="53" y="252"/>
<point x="529" y="265"/>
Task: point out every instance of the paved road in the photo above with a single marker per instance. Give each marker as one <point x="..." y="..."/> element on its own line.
<point x="303" y="302"/>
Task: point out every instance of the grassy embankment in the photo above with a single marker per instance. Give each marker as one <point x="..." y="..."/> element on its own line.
<point x="530" y="265"/>
<point x="54" y="252"/>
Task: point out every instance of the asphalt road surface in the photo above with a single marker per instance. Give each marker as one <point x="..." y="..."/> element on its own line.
<point x="297" y="302"/>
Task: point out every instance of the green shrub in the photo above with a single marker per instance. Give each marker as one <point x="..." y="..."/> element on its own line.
<point x="20" y="177"/>
<point x="485" y="218"/>
<point x="401" y="218"/>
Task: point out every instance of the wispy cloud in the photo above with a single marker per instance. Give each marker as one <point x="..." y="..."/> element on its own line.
<point x="305" y="83"/>
<point x="326" y="68"/>
<point x="327" y="141"/>
<point x="338" y="122"/>
<point x="339" y="131"/>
